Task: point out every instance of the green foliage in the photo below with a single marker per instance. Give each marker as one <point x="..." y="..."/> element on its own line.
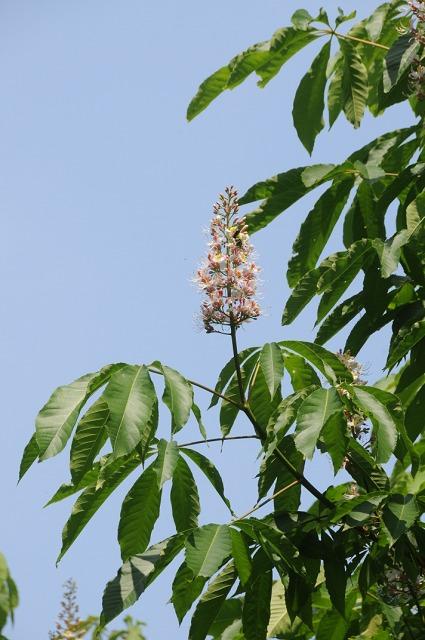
<point x="352" y="565"/>
<point x="9" y="598"/>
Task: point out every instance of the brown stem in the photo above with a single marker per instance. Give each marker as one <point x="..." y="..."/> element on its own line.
<point x="262" y="504"/>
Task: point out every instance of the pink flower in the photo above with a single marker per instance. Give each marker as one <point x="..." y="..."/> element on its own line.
<point x="228" y="274"/>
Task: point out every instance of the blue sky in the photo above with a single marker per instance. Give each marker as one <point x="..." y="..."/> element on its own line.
<point x="104" y="192"/>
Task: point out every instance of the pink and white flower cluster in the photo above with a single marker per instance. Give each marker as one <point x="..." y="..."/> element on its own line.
<point x="417" y="29"/>
<point x="228" y="275"/>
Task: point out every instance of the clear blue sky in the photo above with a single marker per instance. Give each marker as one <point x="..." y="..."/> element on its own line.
<point x="104" y="192"/>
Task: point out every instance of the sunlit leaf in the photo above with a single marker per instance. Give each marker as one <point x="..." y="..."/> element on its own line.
<point x="385" y="413"/>
<point x="228" y="371"/>
<point x="164" y="465"/>
<point x="186" y="590"/>
<point x="57" y="418"/>
<point x="206" y="549"/>
<point x="241" y="555"/>
<point x="313" y="415"/>
<point x="354" y="83"/>
<point x="130" y="396"/>
<point x="29" y="455"/>
<point x="339" y="318"/>
<point x="271" y="363"/>
<point x="325" y="361"/>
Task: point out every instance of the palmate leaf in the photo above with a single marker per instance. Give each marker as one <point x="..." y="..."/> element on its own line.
<point x="207" y="548"/>
<point x="309" y="100"/>
<point x="136" y="574"/>
<point x="316" y="229"/>
<point x="256" y="610"/>
<point x="94" y="496"/>
<point x="90" y="436"/>
<point x="131" y="397"/>
<point x="139" y="512"/>
<point x="178" y="396"/>
<point x="211" y="602"/>
<point x="210" y="471"/>
<point x="56" y="420"/>
<point x="312" y="417"/>
<point x="325" y="361"/>
<point x="184" y="497"/>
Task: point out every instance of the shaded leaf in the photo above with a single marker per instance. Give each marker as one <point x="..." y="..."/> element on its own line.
<point x="241" y="556"/>
<point x="309" y="100"/>
<point x="164" y="465"/>
<point x="186" y="590"/>
<point x="354" y="83"/>
<point x="339" y="318"/>
<point x="90" y="436"/>
<point x="209" y="470"/>
<point x="406" y="338"/>
<point x="325" y="361"/>
<point x="136" y="574"/>
<point x="178" y="396"/>
<point x="139" y="512"/>
<point x="399" y="514"/>
<point x="256" y="610"/>
<point x="93" y="497"/>
<point x="228" y="371"/>
<point x="29" y="455"/>
<point x="335" y="436"/>
<point x="211" y="602"/>
<point x="184" y="497"/>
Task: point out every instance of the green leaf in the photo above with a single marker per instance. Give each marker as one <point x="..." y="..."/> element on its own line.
<point x="313" y="415"/>
<point x="326" y="362"/>
<point x="131" y="397"/>
<point x="228" y="371"/>
<point x="256" y="610"/>
<point x="304" y="291"/>
<point x="335" y="281"/>
<point x="339" y="318"/>
<point x="316" y="229"/>
<point x="385" y="412"/>
<point x="335" y="91"/>
<point x="29" y="455"/>
<point x="136" y="574"/>
<point x="207" y="548"/>
<point x="229" y="410"/>
<point x="184" y="497"/>
<point x="354" y="83"/>
<point x="398" y="60"/>
<point x="363" y="468"/>
<point x="259" y="401"/>
<point x="336" y="579"/>
<point x="209" y="470"/>
<point x="178" y="396"/>
<point x="198" y="416"/>
<point x="57" y="418"/>
<point x="388" y="252"/>
<point x="186" y="590"/>
<point x="309" y="100"/>
<point x="406" y="338"/>
<point x="301" y="19"/>
<point x="164" y="465"/>
<point x="358" y="511"/>
<point x="139" y="512"/>
<point x="399" y="514"/>
<point x="93" y="497"/>
<point x="208" y="91"/>
<point x="89" y="438"/>
<point x="211" y="602"/>
<point x="302" y="374"/>
<point x="335" y="436"/>
<point x="272" y="366"/>
<point x="241" y="556"/>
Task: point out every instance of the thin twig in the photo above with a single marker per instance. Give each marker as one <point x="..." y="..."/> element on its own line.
<point x="262" y="504"/>
<point x="332" y="32"/>
<point x="188" y="444"/>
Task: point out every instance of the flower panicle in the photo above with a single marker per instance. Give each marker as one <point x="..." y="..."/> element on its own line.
<point x="228" y="274"/>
